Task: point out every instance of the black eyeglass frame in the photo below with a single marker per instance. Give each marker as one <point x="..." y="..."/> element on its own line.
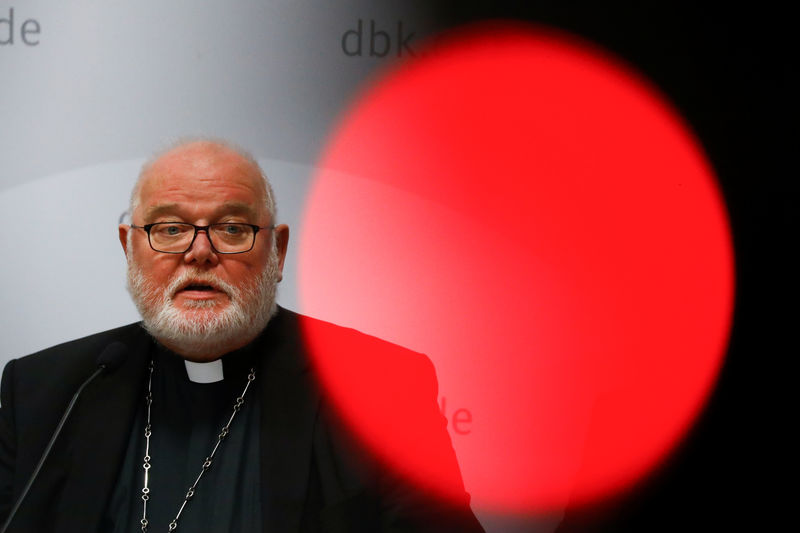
<point x="256" y="229"/>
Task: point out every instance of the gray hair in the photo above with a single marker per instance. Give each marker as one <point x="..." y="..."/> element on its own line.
<point x="221" y="143"/>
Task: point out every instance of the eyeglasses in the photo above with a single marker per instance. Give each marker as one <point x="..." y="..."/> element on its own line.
<point x="178" y="237"/>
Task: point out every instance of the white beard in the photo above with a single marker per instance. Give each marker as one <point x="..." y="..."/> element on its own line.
<point x="205" y="331"/>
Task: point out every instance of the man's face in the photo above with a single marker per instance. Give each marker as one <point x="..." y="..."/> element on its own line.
<point x="203" y="304"/>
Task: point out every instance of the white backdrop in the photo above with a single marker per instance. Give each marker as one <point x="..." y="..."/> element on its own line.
<point x="102" y="85"/>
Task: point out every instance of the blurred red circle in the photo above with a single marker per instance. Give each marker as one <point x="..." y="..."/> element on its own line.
<point x="534" y="216"/>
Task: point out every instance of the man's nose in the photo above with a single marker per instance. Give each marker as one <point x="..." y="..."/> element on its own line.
<point x="201" y="251"/>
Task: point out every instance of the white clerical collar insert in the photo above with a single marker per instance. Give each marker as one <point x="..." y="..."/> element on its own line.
<point x="210" y="372"/>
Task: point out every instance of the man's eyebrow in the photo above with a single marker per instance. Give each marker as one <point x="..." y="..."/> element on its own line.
<point x="160" y="209"/>
<point x="235" y="208"/>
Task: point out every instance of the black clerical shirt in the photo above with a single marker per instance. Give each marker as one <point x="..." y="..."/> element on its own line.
<point x="186" y="418"/>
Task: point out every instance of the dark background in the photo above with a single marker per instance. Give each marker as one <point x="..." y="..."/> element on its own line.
<point x="732" y="75"/>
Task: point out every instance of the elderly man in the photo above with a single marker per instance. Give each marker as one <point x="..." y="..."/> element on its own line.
<point x="214" y="421"/>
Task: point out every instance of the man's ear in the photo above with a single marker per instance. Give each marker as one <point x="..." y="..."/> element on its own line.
<point x="123" y="237"/>
<point x="281" y="236"/>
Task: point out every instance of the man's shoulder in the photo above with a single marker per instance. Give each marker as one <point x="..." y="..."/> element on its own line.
<point x="357" y="369"/>
<point x="337" y="341"/>
<point x="46" y="376"/>
<point x="83" y="349"/>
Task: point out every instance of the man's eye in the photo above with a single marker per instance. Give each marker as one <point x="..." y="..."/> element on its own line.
<point x="232" y="229"/>
<point x="170" y="230"/>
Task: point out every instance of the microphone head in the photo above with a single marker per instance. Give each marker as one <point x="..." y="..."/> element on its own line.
<point x="112" y="357"/>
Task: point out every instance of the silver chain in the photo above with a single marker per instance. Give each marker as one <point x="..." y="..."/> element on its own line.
<point x="237" y="406"/>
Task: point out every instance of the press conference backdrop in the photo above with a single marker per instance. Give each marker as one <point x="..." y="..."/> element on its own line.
<point x="89" y="90"/>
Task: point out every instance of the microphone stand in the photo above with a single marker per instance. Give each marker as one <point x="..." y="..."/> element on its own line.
<point x="36" y="470"/>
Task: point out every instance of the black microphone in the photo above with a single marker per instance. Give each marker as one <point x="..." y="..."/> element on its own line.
<point x="109" y="360"/>
<point x="112" y="357"/>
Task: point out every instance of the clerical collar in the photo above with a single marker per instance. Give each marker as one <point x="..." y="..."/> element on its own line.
<point x="209" y="372"/>
<point x="233" y="365"/>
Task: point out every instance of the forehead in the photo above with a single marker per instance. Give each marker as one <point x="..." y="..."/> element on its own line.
<point x="201" y="177"/>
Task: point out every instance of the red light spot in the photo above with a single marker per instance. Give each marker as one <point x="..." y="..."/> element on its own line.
<point x="532" y="215"/>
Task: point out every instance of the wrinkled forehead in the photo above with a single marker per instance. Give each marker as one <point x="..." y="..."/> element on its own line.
<point x="200" y="175"/>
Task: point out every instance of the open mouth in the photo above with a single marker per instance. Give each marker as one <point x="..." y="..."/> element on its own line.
<point x="198" y="287"/>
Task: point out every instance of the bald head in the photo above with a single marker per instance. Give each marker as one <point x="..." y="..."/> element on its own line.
<point x="205" y="158"/>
